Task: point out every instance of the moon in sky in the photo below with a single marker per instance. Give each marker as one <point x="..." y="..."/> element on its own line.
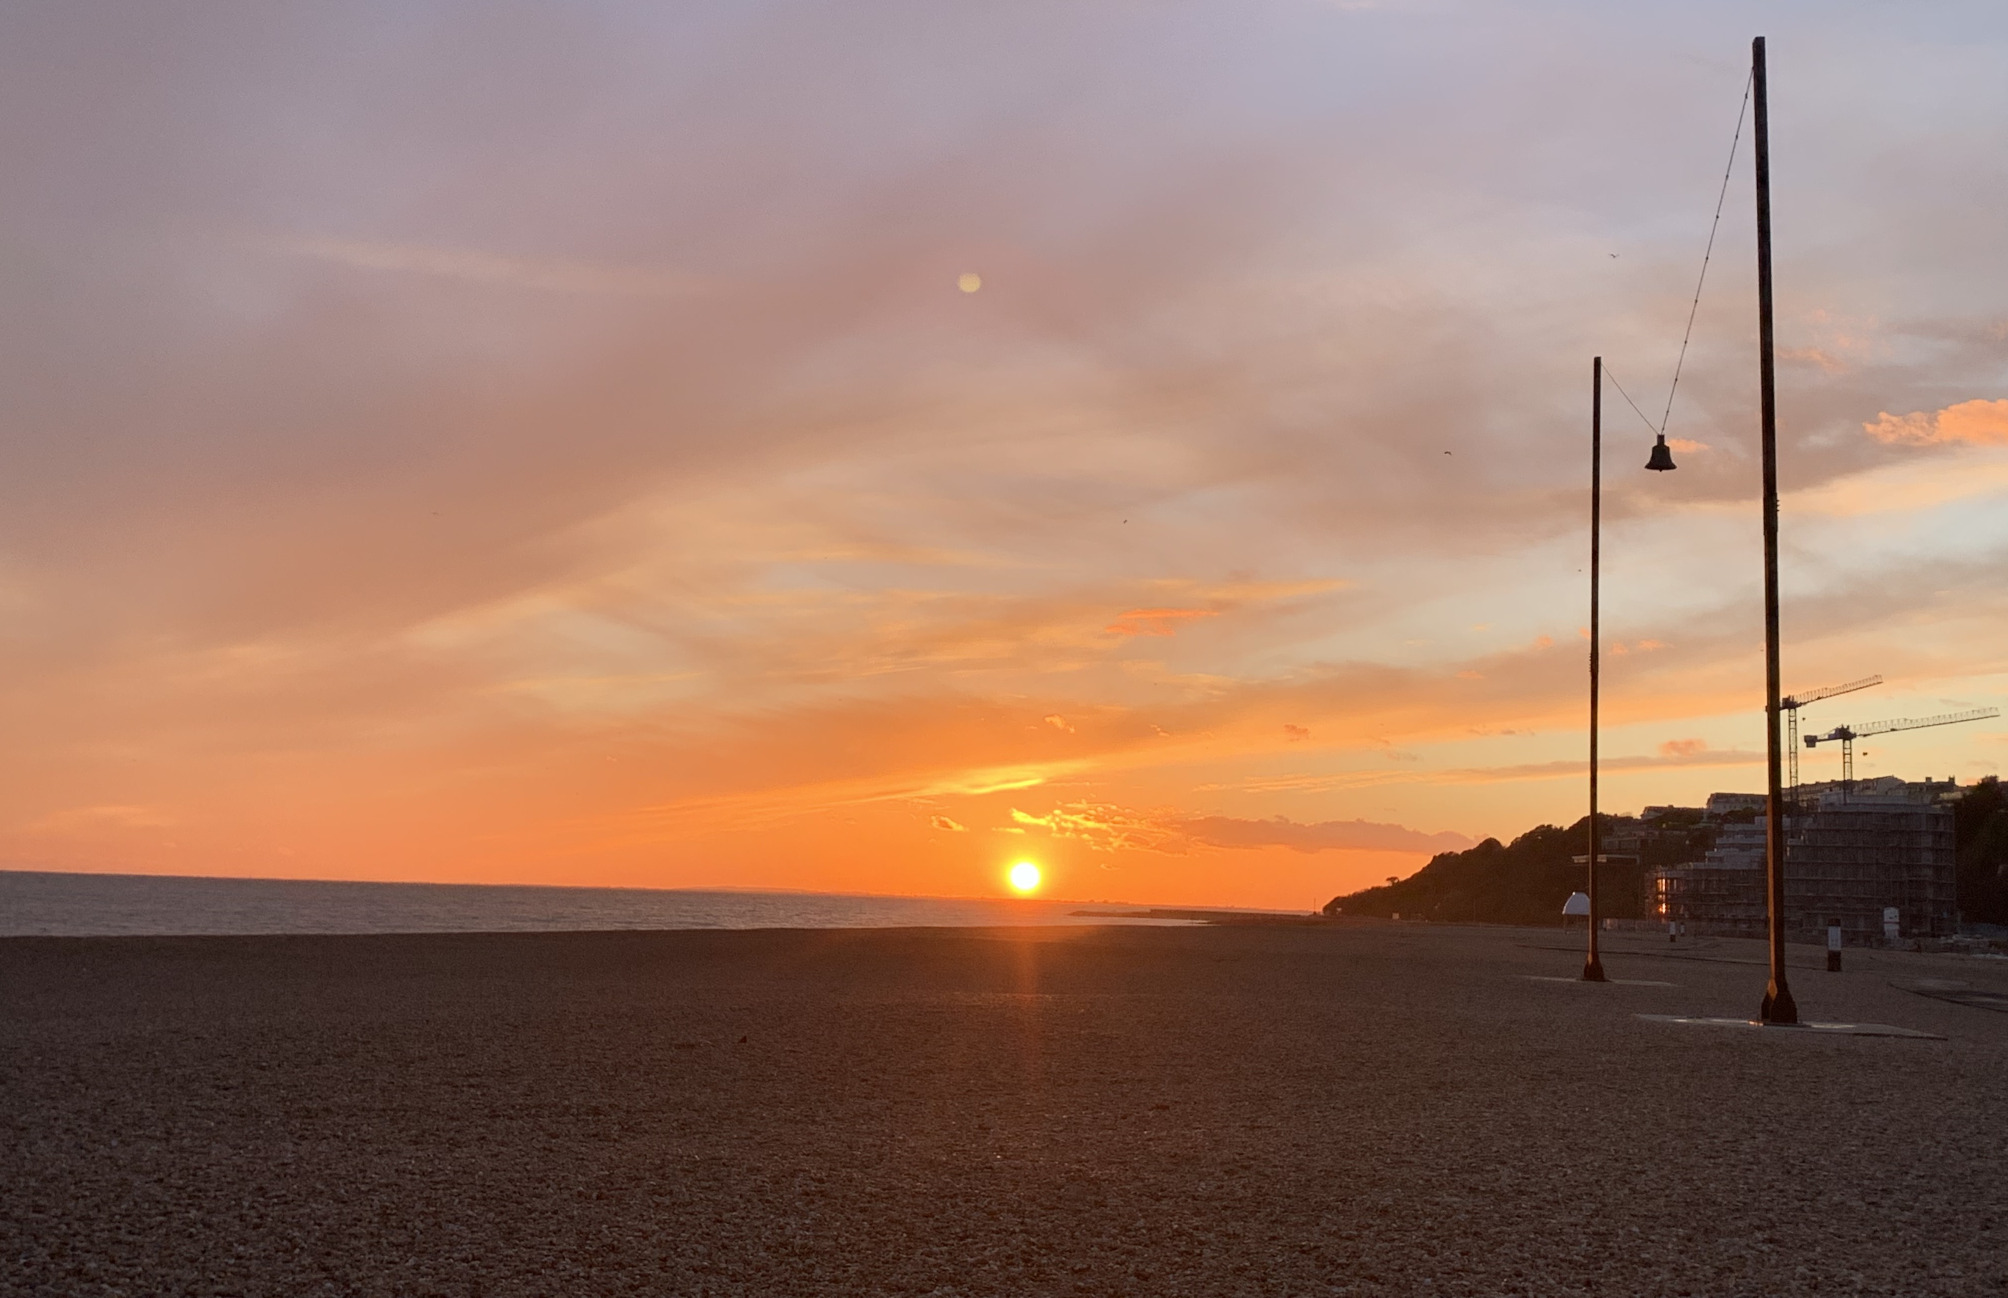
<point x="969" y="281"/>
<point x="1025" y="876"/>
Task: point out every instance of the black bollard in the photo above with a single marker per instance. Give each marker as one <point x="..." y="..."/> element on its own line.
<point x="1833" y="946"/>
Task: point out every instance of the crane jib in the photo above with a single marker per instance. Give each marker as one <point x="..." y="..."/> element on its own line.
<point x="1794" y="702"/>
<point x="1900" y="723"/>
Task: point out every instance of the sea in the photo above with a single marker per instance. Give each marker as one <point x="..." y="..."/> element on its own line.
<point x="46" y="904"/>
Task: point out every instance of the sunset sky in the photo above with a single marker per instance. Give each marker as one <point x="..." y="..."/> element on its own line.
<point x="558" y="443"/>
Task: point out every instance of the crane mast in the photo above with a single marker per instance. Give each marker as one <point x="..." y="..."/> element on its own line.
<point x="1791" y="704"/>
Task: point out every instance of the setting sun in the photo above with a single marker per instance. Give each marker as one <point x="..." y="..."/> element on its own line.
<point x="1024" y="876"/>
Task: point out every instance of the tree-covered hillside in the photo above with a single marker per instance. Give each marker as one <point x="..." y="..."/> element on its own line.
<point x="1523" y="882"/>
<point x="1981" y="818"/>
<point x="1527" y="880"/>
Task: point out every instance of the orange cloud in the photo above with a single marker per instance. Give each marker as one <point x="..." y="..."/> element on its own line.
<point x="1107" y="828"/>
<point x="1323" y="836"/>
<point x="1525" y="771"/>
<point x="1976" y="423"/>
<point x="1102" y="827"/>
<point x="1838" y="343"/>
<point x="1823" y="361"/>
<point x="126" y="817"/>
<point x="1156" y="621"/>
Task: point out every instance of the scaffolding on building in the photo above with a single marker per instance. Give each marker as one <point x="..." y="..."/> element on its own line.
<point x="1851" y="853"/>
<point x="1856" y="854"/>
<point x="1722" y="894"/>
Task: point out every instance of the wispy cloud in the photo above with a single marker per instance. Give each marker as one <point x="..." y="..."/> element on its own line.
<point x="1321" y="836"/>
<point x="1676" y="754"/>
<point x="538" y="274"/>
<point x="1910" y="486"/>
<point x="112" y="816"/>
<point x="1105" y="827"/>
<point x="1156" y="621"/>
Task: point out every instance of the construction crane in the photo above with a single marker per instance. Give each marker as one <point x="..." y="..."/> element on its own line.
<point x="1848" y="734"/>
<point x="1791" y="703"/>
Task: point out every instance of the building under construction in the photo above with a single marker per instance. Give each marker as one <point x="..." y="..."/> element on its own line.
<point x="1723" y="892"/>
<point x="1854" y="855"/>
<point x="1853" y="850"/>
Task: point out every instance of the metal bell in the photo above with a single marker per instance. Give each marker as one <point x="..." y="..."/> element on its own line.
<point x="1662" y="458"/>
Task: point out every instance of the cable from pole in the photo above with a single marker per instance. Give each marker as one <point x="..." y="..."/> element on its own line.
<point x="1707" y="253"/>
<point x="1626" y="395"/>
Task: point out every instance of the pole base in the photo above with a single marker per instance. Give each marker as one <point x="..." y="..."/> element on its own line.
<point x="1593" y="971"/>
<point x="1833" y="962"/>
<point x="1778" y="1006"/>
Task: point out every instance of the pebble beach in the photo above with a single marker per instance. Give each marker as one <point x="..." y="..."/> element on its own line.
<point x="1342" y="1108"/>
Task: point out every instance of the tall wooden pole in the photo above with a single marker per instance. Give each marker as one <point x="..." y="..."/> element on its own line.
<point x="1778" y="1006"/>
<point x="1593" y="965"/>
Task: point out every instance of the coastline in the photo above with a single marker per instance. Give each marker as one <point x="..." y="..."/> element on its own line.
<point x="58" y="903"/>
